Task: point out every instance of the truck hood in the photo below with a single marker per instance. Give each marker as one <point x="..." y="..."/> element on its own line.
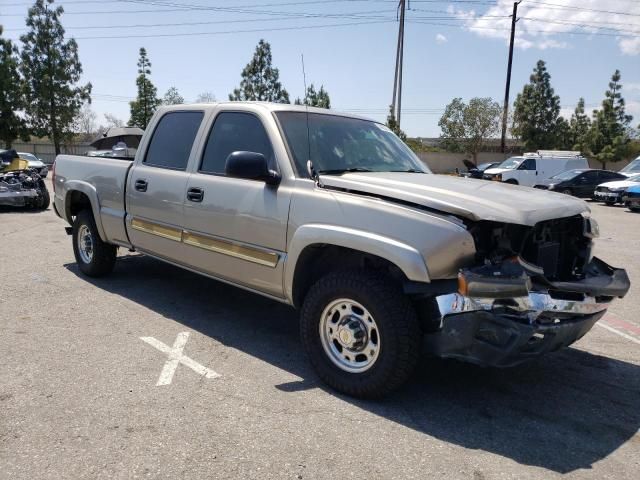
<point x="463" y="197"/>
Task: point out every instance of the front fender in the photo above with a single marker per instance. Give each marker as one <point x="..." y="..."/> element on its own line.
<point x="405" y="257"/>
<point x="91" y="193"/>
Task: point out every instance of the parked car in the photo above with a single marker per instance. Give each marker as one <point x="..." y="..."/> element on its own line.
<point x="334" y="215"/>
<point x="34" y="162"/>
<point x="631" y="198"/>
<point x="20" y="184"/>
<point x="536" y="168"/>
<point x="477" y="172"/>
<point x="611" y="192"/>
<point x="632" y="169"/>
<point x="579" y="183"/>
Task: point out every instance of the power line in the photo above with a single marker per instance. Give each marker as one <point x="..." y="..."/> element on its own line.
<point x="556" y="6"/>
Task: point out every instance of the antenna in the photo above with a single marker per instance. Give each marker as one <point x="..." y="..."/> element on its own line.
<point x="310" y="169"/>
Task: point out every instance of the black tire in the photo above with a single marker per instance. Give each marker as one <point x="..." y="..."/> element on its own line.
<point x="609" y="202"/>
<point x="103" y="257"/>
<point x="400" y="336"/>
<point x="567" y="191"/>
<point x="511" y="181"/>
<point x="44" y="200"/>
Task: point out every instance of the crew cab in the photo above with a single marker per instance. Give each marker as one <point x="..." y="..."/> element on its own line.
<point x="335" y="216"/>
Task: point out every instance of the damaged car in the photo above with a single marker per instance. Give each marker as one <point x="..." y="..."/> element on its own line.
<point x="335" y="216"/>
<point x="20" y="184"/>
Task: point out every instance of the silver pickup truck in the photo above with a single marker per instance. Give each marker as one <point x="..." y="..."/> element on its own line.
<point x="335" y="216"/>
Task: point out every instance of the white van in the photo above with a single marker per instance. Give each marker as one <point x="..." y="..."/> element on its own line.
<point x="534" y="168"/>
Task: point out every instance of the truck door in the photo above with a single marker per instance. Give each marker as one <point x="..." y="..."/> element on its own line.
<point x="235" y="229"/>
<point x="527" y="173"/>
<point x="156" y="186"/>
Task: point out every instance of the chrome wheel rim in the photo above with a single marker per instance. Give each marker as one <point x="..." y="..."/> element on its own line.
<point x="85" y="244"/>
<point x="349" y="335"/>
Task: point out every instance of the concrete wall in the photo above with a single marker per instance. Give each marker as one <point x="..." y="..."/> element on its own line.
<point x="446" y="162"/>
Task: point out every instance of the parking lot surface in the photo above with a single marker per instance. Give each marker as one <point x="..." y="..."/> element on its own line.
<point x="155" y="372"/>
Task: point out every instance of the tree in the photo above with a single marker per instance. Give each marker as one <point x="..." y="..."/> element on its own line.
<point x="466" y="128"/>
<point x="85" y="123"/>
<point x="145" y="104"/>
<point x="579" y="127"/>
<point x="172" y="97"/>
<point x="537" y="111"/>
<point x="12" y="125"/>
<point x="609" y="134"/>
<point x="51" y="71"/>
<point x="260" y="81"/>
<point x="113" y="121"/>
<point x="315" y="98"/>
<point x="206" y="97"/>
<point x="392" y="123"/>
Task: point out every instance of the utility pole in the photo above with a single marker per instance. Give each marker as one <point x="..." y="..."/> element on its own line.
<point x="505" y="112"/>
<point x="396" y="104"/>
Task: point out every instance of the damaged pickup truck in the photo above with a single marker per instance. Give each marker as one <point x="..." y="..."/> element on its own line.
<point x="334" y="215"/>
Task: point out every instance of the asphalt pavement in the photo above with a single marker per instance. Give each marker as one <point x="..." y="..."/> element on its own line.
<point x="155" y="372"/>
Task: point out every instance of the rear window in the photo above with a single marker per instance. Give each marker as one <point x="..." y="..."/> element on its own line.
<point x="172" y="140"/>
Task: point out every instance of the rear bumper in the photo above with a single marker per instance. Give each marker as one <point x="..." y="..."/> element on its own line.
<point x="506" y="331"/>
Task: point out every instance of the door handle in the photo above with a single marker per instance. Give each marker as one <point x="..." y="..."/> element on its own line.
<point x="195" y="194"/>
<point x="141" y="185"/>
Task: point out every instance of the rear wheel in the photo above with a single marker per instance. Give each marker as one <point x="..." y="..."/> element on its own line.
<point x="566" y="191"/>
<point x="361" y="333"/>
<point x="94" y="257"/>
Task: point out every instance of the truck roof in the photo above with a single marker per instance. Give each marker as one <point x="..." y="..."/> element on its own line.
<point x="269" y="106"/>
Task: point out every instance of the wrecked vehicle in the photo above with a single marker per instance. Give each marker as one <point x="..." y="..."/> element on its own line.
<point x="335" y="216"/>
<point x="20" y="184"/>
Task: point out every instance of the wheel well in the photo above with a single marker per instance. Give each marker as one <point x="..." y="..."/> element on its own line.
<point x="512" y="181"/>
<point x="317" y="260"/>
<point x="76" y="202"/>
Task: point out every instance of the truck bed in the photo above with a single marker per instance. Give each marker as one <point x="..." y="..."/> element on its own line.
<point x="104" y="177"/>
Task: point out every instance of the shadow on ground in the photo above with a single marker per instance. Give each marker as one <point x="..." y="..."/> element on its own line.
<point x="564" y="412"/>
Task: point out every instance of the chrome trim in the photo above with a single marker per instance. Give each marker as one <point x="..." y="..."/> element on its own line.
<point x="533" y="305"/>
<point x="153" y="228"/>
<point x="226" y="247"/>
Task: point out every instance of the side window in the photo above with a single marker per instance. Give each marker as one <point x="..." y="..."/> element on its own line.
<point x="235" y="132"/>
<point x="172" y="140"/>
<point x="590" y="177"/>
<point x="528" y="164"/>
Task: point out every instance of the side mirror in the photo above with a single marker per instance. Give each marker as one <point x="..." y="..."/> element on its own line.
<point x="251" y="166"/>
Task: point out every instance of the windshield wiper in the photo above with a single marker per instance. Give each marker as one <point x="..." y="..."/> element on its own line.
<point x="339" y="171"/>
<point x="409" y="170"/>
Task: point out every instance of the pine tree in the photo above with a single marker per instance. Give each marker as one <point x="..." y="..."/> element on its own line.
<point x="12" y="125"/>
<point x="537" y="111"/>
<point x="172" y="97"/>
<point x="145" y="104"/>
<point x="51" y="71"/>
<point x="260" y="80"/>
<point x="609" y="134"/>
<point x="579" y="127"/>
<point x="315" y="98"/>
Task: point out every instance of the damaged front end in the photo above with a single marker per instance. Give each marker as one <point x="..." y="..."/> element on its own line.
<point x="532" y="290"/>
<point x="23" y="188"/>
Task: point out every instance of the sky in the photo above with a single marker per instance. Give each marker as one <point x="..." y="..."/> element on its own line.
<point x="455" y="48"/>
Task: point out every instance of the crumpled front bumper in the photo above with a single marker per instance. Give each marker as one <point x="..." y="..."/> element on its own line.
<point x="507" y="331"/>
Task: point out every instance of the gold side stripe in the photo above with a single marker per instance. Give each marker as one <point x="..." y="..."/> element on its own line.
<point x="155" y="229"/>
<point x="250" y="254"/>
<point x="224" y="247"/>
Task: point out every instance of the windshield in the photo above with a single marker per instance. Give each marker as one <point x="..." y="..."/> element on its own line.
<point x="338" y="144"/>
<point x="632" y="167"/>
<point x="569" y="174"/>
<point x="511" y="163"/>
<point x="634" y="178"/>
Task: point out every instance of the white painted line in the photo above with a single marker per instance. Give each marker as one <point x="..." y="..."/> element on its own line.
<point x="176" y="357"/>
<point x="618" y="332"/>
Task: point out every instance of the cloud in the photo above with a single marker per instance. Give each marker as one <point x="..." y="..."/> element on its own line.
<point x="440" y="39"/>
<point x="543" y="25"/>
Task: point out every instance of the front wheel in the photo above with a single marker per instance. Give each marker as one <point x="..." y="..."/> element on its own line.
<point x="94" y="257"/>
<point x="566" y="191"/>
<point x="361" y="333"/>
